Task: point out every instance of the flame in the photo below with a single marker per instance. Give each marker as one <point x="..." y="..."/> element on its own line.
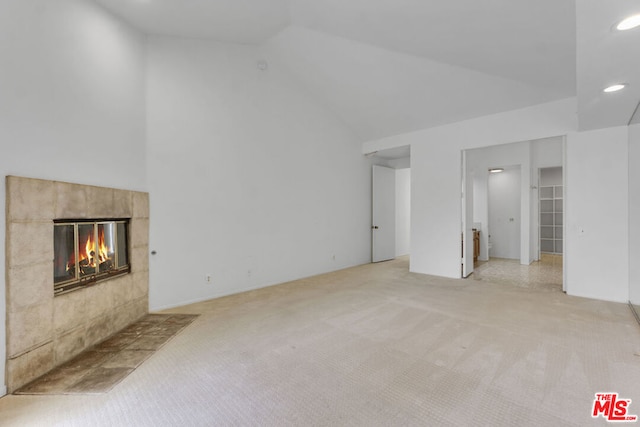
<point x="89" y="250"/>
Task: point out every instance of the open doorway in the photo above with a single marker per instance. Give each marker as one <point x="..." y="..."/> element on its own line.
<point x="506" y="212"/>
<point x="551" y="207"/>
<point x="395" y="163"/>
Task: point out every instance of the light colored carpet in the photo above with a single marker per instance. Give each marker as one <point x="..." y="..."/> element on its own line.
<point x="367" y="346"/>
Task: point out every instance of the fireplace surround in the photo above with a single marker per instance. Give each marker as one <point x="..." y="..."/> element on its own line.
<point x="47" y="328"/>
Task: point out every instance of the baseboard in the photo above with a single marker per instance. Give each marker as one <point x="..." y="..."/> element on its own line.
<point x="242" y="290"/>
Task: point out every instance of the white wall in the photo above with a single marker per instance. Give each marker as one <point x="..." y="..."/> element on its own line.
<point x="634" y="214"/>
<point x="435" y="174"/>
<point x="403" y="211"/>
<point x="72" y="103"/>
<point x="251" y="181"/>
<point x="597" y="214"/>
<point x="546" y="153"/>
<point x="596" y="183"/>
<point x="479" y="161"/>
<point x="504" y="213"/>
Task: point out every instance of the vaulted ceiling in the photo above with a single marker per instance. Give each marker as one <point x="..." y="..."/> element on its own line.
<point x="393" y="66"/>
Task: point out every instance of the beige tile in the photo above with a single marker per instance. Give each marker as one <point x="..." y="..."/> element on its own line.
<point x="139" y="229"/>
<point x="96" y="370"/>
<point x="71" y="322"/>
<point x="56" y="381"/>
<point x="138" y="329"/>
<point x="149" y="342"/>
<point x="129" y="313"/>
<point x="30" y="243"/>
<point x="181" y="319"/>
<point x="122" y="289"/>
<point x="122" y="204"/>
<point x="87" y="360"/>
<point x="139" y="259"/>
<point x="100" y="202"/>
<point x="137" y="309"/>
<point x="29" y="199"/>
<point x="122" y="317"/>
<point x="29" y="328"/>
<point x="156" y="318"/>
<point x="71" y="201"/>
<point x="29" y="366"/>
<point x="69" y="311"/>
<point x="29" y="285"/>
<point x="69" y="345"/>
<point x="100" y="328"/>
<point x="140" y="205"/>
<point x="112" y="288"/>
<point x="128" y="359"/>
<point x="101" y="380"/>
<point x="116" y="343"/>
<point x="139" y="285"/>
<point x="99" y="299"/>
<point x="544" y="274"/>
<point x="166" y="328"/>
<point x="140" y="307"/>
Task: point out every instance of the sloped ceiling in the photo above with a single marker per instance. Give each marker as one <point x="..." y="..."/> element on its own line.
<point x="236" y="21"/>
<point x="387" y="67"/>
<point x="380" y="92"/>
<point x="512" y="39"/>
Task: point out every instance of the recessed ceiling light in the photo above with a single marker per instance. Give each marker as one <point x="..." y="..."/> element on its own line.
<point x="629" y="23"/>
<point x="615" y="88"/>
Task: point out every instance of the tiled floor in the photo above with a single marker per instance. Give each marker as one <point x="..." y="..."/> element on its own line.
<point x="545" y="274"/>
<point x="101" y="367"/>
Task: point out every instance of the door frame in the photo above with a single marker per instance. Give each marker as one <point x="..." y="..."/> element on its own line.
<point x="383" y="213"/>
<point x="466" y="206"/>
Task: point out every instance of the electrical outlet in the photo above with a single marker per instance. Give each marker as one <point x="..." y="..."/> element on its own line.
<point x="207" y="278"/>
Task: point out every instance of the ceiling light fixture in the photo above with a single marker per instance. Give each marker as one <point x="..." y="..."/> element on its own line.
<point x="496" y="170"/>
<point x="615" y="88"/>
<point x="629" y="23"/>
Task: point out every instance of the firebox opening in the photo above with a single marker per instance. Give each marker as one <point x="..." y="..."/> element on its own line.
<point x="88" y="251"/>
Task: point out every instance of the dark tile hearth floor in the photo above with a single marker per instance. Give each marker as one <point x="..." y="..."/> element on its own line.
<point x="99" y="368"/>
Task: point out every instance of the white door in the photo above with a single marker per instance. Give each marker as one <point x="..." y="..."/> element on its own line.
<point x="467" y="219"/>
<point x="504" y="214"/>
<point x="383" y="227"/>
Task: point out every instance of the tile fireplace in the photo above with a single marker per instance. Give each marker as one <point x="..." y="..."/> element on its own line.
<point x="77" y="270"/>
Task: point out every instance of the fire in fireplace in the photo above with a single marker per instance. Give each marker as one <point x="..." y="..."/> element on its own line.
<point x="87" y="251"/>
